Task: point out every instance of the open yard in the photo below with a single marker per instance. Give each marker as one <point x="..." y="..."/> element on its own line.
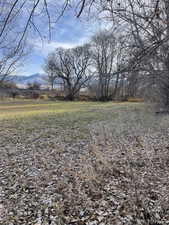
<point x="83" y="163"/>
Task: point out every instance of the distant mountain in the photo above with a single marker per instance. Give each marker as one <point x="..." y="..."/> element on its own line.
<point x="22" y="81"/>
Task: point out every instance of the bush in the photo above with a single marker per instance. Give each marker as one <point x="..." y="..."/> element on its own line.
<point x="35" y="95"/>
<point x="44" y="97"/>
<point x="84" y="98"/>
<point x="33" y="86"/>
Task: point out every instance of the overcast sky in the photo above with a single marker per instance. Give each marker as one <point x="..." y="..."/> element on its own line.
<point x="67" y="33"/>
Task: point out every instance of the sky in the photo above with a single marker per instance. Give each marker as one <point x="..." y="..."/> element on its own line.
<point x="67" y="33"/>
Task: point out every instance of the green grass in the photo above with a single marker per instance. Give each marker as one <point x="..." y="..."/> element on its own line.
<point x="35" y="116"/>
<point x="69" y="121"/>
<point x="20" y="110"/>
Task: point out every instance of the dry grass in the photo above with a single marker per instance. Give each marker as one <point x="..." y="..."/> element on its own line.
<point x="90" y="164"/>
<point x="135" y="100"/>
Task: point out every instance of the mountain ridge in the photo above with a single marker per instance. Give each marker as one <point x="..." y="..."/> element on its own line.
<point x="22" y="81"/>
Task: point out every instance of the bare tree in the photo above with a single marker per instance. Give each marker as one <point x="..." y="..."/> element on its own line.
<point x="138" y="14"/>
<point x="72" y="66"/>
<point x="51" y="74"/>
<point x="33" y="86"/>
<point x="12" y="36"/>
<point x="20" y="20"/>
<point x="146" y="20"/>
<point x="148" y="23"/>
<point x="103" y="53"/>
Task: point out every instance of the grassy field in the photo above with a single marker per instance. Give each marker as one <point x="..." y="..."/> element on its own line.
<point x="84" y="163"/>
<point x="40" y="108"/>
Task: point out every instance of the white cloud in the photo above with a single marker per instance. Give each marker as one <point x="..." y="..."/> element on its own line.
<point x="45" y="47"/>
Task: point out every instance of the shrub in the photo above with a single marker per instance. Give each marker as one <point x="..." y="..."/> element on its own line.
<point x="35" y="95"/>
<point x="44" y="97"/>
<point x="33" y="86"/>
<point x="83" y="98"/>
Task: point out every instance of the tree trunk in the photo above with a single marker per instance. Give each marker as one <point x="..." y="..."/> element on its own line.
<point x="70" y="97"/>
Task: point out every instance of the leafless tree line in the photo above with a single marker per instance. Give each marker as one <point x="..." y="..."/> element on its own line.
<point x="92" y="66"/>
<point x="145" y="23"/>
